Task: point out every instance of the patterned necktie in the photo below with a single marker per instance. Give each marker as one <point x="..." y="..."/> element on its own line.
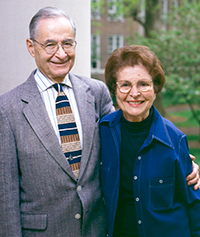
<point x="70" y="141"/>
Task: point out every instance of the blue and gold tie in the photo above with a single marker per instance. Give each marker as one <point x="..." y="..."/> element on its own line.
<point x="70" y="141"/>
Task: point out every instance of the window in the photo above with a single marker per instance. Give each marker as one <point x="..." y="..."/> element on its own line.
<point x="114" y="8"/>
<point x="174" y="3"/>
<point x="95" y="52"/>
<point x="95" y="9"/>
<point x="141" y="15"/>
<point x="164" y="8"/>
<point x="114" y="41"/>
<point x="141" y="8"/>
<point x="164" y="11"/>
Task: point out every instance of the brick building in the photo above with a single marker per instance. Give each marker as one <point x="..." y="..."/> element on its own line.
<point x="109" y="31"/>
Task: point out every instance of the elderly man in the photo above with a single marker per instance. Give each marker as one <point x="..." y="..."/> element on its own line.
<point x="49" y="165"/>
<point x="46" y="190"/>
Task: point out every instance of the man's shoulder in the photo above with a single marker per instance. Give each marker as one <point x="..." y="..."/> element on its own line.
<point x="16" y="92"/>
<point x="11" y="94"/>
<point x="95" y="87"/>
<point x="87" y="80"/>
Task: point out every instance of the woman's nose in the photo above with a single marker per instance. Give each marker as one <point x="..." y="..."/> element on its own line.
<point x="134" y="91"/>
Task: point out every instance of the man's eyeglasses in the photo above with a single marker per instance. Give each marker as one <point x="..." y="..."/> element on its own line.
<point x="142" y="85"/>
<point x="52" y="47"/>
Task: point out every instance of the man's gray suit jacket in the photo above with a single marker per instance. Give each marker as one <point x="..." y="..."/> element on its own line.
<point x="39" y="195"/>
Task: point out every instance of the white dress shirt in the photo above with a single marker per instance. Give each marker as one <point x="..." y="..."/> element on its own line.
<point x="49" y="95"/>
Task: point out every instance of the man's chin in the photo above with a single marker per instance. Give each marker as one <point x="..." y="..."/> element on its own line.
<point x="59" y="75"/>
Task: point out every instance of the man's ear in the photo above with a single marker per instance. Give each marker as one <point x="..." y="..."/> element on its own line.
<point x="30" y="47"/>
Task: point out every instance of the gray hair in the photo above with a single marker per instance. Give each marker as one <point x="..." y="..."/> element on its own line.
<point x="44" y="13"/>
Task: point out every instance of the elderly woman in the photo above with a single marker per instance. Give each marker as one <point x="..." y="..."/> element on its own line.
<point x="145" y="158"/>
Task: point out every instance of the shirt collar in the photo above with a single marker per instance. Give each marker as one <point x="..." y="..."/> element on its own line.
<point x="45" y="83"/>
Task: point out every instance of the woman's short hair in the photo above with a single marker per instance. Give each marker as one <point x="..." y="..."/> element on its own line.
<point x="44" y="13"/>
<point x="131" y="56"/>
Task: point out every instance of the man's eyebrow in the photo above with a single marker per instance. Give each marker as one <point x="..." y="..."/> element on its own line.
<point x="50" y="41"/>
<point x="55" y="42"/>
<point x="68" y="40"/>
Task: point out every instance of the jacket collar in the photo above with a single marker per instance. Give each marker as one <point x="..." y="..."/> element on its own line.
<point x="34" y="109"/>
<point x="112" y="119"/>
<point x="158" y="129"/>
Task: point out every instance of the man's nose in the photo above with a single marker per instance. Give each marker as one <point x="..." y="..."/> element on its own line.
<point x="60" y="52"/>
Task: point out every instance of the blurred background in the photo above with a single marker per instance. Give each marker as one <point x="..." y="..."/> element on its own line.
<point x="170" y="28"/>
<point x="16" y="63"/>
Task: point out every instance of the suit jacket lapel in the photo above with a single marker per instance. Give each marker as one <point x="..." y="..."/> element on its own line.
<point x="37" y="116"/>
<point x="85" y="102"/>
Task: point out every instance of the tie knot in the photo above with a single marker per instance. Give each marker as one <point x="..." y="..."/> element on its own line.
<point x="58" y="87"/>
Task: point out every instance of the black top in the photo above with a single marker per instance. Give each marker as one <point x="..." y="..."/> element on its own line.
<point x="133" y="135"/>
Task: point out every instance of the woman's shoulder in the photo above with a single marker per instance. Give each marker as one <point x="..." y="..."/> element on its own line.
<point x="164" y="130"/>
<point x="112" y="117"/>
<point x="172" y="127"/>
<point x="168" y="125"/>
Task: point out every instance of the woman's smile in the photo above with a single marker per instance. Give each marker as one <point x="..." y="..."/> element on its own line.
<point x="135" y="104"/>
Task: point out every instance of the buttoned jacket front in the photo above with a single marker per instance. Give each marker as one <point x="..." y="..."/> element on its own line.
<point x="39" y="195"/>
<point x="165" y="205"/>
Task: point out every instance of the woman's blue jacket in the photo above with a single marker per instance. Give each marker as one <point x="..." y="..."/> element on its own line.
<point x="165" y="206"/>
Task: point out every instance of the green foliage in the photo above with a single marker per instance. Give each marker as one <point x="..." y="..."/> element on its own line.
<point x="192" y="137"/>
<point x="187" y="121"/>
<point x="97" y="6"/>
<point x="196" y="153"/>
<point x="179" y="51"/>
<point x="124" y="6"/>
<point x="184" y="119"/>
<point x="178" y="48"/>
